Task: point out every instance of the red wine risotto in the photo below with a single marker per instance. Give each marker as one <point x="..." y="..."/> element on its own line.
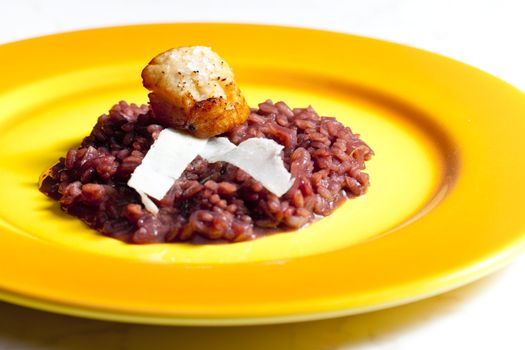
<point x="210" y="201"/>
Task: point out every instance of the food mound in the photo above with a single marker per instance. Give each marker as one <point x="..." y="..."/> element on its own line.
<point x="212" y="200"/>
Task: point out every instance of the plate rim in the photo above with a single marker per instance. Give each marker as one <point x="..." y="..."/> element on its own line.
<point x="464" y="275"/>
<point x="153" y="319"/>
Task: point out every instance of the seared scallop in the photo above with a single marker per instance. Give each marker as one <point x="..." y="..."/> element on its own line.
<point x="193" y="88"/>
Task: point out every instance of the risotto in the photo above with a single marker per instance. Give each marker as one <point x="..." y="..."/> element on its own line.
<point x="210" y="201"/>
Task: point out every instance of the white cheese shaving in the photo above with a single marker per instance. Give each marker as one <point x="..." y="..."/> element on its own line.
<point x="216" y="146"/>
<point x="165" y="162"/>
<point x="261" y="158"/>
<point x="148" y="203"/>
<point x="173" y="151"/>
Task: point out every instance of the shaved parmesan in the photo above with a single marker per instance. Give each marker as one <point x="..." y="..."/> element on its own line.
<point x="217" y="146"/>
<point x="261" y="158"/>
<point x="173" y="151"/>
<point x="148" y="203"/>
<point x="165" y="162"/>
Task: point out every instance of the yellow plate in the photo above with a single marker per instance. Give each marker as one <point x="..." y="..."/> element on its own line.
<point x="444" y="208"/>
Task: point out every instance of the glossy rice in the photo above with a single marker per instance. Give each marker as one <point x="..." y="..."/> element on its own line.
<point x="210" y="202"/>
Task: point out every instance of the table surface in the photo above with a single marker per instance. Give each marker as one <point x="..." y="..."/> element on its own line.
<point x="487" y="314"/>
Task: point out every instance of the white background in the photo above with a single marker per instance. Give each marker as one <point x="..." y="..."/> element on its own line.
<point x="489" y="314"/>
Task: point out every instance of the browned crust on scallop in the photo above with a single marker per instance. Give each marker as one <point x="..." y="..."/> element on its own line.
<point x="203" y="119"/>
<point x="217" y="115"/>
